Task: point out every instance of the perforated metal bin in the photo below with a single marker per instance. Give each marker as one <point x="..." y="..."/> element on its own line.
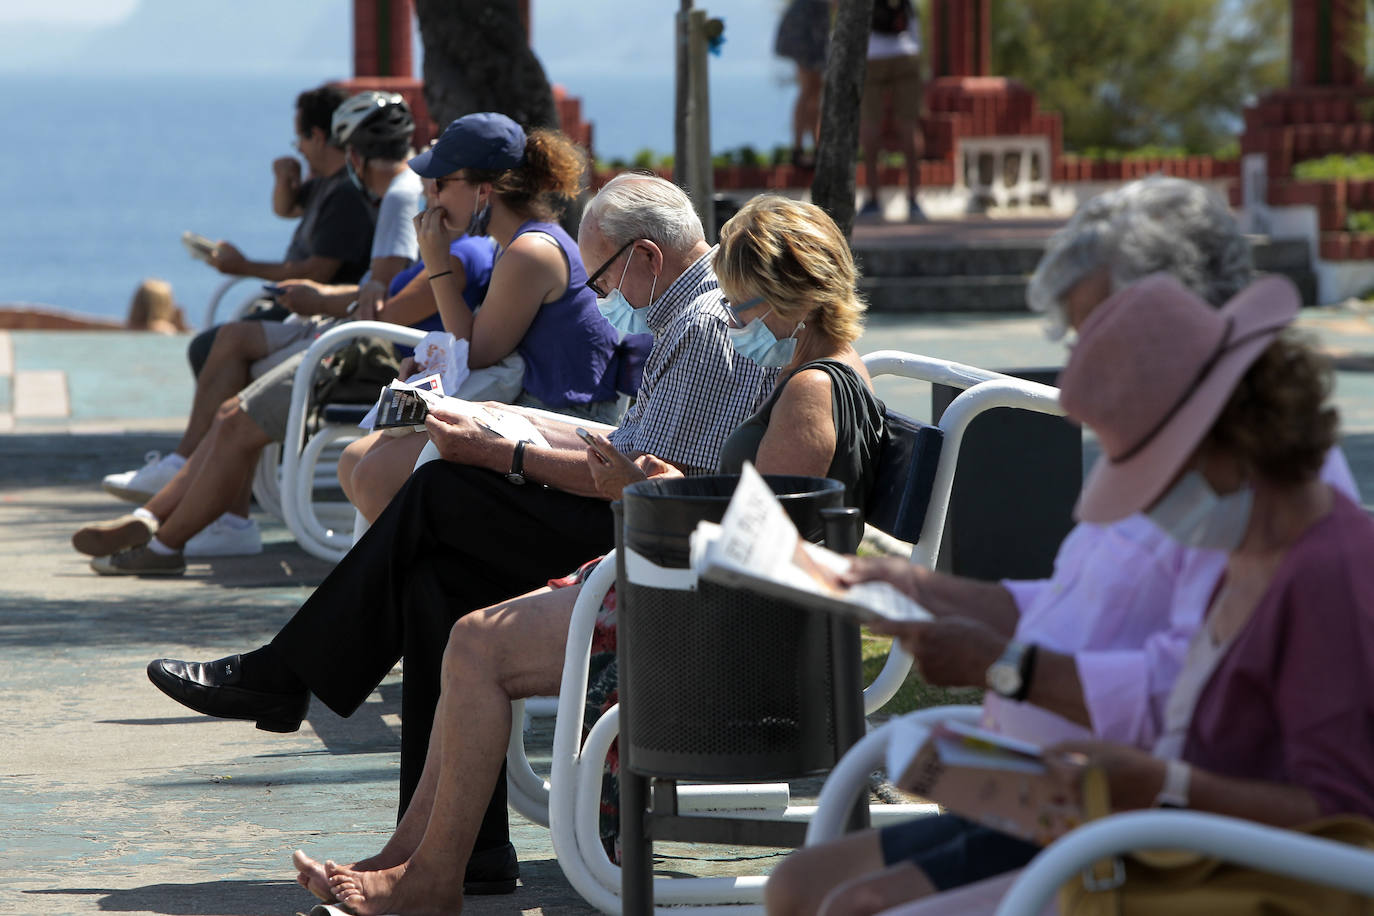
<point x="719" y="683"/>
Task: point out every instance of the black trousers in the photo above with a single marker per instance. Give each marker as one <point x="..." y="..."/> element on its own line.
<point x="455" y="539"/>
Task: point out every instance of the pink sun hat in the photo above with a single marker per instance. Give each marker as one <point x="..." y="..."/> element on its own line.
<point x="1152" y="369"/>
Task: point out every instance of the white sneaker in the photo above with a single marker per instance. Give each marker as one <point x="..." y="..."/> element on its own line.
<point x="220" y="539"/>
<point x="141" y="485"/>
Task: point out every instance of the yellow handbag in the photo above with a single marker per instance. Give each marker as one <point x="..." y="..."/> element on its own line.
<point x="1182" y="883"/>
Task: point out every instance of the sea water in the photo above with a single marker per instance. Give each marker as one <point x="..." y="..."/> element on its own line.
<point x="99" y="177"/>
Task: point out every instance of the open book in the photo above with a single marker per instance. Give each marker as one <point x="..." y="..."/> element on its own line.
<point x="757" y="547"/>
<point x="986" y="777"/>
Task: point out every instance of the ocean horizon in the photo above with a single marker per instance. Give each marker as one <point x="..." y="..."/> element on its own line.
<point x="104" y="174"/>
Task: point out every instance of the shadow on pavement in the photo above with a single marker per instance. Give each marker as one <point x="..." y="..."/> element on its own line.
<point x="209" y="898"/>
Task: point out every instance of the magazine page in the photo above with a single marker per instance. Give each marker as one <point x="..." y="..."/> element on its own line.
<point x="757" y="547"/>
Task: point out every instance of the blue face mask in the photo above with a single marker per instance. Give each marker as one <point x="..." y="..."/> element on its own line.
<point x="622" y="316"/>
<point x="481" y="219"/>
<point x="1194" y="515"/>
<point x="758" y="343"/>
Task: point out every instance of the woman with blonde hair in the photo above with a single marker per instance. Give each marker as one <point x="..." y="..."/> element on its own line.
<point x="153" y="309"/>
<point x="789" y="273"/>
<point x="486" y="176"/>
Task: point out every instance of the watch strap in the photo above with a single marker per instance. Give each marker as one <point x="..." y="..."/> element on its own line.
<point x="1027" y="668"/>
<point x="1174" y="793"/>
<point x="517" y="463"/>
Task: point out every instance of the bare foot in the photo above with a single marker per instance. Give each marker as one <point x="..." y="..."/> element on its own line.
<point x="313" y="877"/>
<point x="401" y="889"/>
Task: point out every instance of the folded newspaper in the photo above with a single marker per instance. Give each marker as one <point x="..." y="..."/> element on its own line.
<point x="408" y="405"/>
<point x="757" y="547"/>
<point x="986" y="777"/>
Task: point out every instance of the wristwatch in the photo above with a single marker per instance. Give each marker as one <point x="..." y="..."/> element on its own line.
<point x="1010" y="675"/>
<point x="517" y="463"/>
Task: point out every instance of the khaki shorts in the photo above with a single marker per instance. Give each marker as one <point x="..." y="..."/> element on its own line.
<point x="899" y="77"/>
<point x="267" y="399"/>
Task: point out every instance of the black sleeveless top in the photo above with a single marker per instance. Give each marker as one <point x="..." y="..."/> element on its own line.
<point x="860" y="429"/>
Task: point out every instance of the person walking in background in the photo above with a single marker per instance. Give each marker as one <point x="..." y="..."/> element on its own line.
<point x="803" y="34"/>
<point x="893" y="76"/>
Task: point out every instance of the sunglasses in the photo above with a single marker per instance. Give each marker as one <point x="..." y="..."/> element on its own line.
<point x="733" y="311"/>
<point x="440" y="182"/>
<point x="596" y="275"/>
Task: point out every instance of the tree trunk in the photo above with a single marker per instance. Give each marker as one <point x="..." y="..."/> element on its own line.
<point x="478" y="58"/>
<point x="832" y="189"/>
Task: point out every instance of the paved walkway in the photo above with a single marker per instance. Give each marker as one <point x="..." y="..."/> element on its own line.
<point x="112" y="799"/>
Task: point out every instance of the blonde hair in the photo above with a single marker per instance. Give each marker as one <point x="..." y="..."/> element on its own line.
<point x="793" y="256"/>
<point x="153" y="309"/>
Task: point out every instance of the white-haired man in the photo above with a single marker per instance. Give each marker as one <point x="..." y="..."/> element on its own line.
<point x="1093" y="650"/>
<point x="498" y="518"/>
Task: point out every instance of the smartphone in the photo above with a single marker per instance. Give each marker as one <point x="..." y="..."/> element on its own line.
<point x="198" y="246"/>
<point x="592" y="444"/>
<point x="272" y="289"/>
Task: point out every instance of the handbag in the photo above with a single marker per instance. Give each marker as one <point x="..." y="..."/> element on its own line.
<point x="354" y="373"/>
<point x="1183" y="883"/>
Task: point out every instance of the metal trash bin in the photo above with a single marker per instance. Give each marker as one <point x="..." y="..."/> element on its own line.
<point x="721" y="684"/>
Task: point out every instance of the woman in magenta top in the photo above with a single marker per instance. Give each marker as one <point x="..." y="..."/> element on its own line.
<point x="1215" y="424"/>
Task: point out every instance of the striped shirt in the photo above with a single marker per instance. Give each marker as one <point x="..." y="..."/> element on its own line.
<point x="697" y="388"/>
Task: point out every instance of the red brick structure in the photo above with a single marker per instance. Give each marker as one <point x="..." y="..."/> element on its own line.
<point x="1326" y="109"/>
<point x="383" y="59"/>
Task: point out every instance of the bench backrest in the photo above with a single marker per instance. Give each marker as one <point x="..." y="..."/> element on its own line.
<point x="905" y="477"/>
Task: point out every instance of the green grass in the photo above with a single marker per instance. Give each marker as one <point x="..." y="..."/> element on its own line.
<point x="914" y="693"/>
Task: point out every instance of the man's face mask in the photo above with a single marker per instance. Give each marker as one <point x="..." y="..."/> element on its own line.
<point x="616" y="309"/>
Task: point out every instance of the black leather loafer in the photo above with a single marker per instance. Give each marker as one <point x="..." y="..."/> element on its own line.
<point x="211" y="688"/>
<point x="492" y="871"/>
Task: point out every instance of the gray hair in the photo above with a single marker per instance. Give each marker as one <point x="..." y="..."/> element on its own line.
<point x="643" y="206"/>
<point x="1151" y="225"/>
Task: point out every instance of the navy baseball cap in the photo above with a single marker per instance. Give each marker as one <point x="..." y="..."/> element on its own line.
<point x="487" y="141"/>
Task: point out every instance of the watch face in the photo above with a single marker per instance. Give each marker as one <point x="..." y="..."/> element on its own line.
<point x="1004" y="679"/>
<point x="515" y="478"/>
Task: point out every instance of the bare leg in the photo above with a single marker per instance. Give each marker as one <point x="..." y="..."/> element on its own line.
<point x="801" y="882"/>
<point x="911" y="143"/>
<point x="870" y="894"/>
<point x="870" y="135"/>
<point x="237" y="346"/>
<point x="505" y="652"/>
<point x="808" y="110"/>
<point x="223" y="462"/>
<point x="379" y="466"/>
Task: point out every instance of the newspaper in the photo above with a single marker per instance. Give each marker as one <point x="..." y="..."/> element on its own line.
<point x="404" y="405"/>
<point x="986" y="777"/>
<point x="757" y="547"/>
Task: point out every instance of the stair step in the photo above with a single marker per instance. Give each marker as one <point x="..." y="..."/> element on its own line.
<point x="998" y="293"/>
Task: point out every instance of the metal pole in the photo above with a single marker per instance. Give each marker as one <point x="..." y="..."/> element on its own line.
<point x="680" y="91"/>
<point x="699" y="174"/>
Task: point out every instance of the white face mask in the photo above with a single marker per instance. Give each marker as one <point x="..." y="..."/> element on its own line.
<point x="1194" y="515"/>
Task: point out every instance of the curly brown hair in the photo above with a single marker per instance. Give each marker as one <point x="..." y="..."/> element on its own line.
<point x="542" y="185"/>
<point x="1278" y="420"/>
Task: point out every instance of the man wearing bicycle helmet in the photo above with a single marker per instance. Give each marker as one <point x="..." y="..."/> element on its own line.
<point x="374" y="129"/>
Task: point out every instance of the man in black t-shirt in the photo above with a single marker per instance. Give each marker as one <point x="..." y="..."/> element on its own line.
<point x="333" y="242"/>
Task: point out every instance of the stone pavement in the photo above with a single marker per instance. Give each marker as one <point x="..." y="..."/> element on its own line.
<point x="114" y="799"/>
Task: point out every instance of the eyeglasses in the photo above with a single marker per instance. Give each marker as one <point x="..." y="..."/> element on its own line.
<point x="733" y="311"/>
<point x="596" y="275"/>
<point x="439" y="182"/>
